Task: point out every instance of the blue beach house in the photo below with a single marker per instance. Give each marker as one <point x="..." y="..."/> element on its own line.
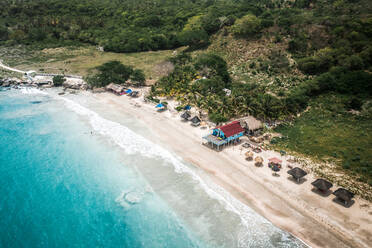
<point x="224" y="135"/>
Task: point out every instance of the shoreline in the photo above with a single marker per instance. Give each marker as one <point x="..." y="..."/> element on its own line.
<point x="291" y="207"/>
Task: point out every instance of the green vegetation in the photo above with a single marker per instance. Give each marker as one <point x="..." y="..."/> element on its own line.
<point x="202" y="81"/>
<point x="330" y="132"/>
<point x="114" y="72"/>
<point x="58" y="80"/>
<point x="81" y="60"/>
<point x="118" y="26"/>
<point x="247" y="25"/>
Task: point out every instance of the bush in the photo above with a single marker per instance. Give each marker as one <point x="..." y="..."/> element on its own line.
<point x="138" y="77"/>
<point x="194" y="38"/>
<point x="58" y="80"/>
<point x="247" y="25"/>
<point x="308" y="65"/>
<point x="217" y="118"/>
<point x="214" y="65"/>
<point x="111" y="72"/>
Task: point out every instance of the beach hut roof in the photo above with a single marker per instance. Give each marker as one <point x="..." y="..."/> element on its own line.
<point x="185" y="115"/>
<point x="343" y="194"/>
<point x="252" y="123"/>
<point x="297" y="172"/>
<point x="322" y="184"/>
<point x="195" y="119"/>
<point x="231" y="128"/>
<point x="275" y="160"/>
<point x="258" y="159"/>
<point x="249" y="154"/>
<point x="115" y="87"/>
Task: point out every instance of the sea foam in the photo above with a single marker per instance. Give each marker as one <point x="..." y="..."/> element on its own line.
<point x="32" y="91"/>
<point x="132" y="143"/>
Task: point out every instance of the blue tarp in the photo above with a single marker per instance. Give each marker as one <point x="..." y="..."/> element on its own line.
<point x="159" y="105"/>
<point x="128" y="91"/>
<point x="187" y="107"/>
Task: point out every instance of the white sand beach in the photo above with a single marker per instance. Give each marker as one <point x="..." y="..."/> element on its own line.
<point x="313" y="218"/>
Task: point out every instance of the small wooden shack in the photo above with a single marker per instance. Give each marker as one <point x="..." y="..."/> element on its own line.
<point x="251" y="125"/>
<point x="115" y="88"/>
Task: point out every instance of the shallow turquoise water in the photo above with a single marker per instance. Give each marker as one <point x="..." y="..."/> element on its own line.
<point x="60" y="185"/>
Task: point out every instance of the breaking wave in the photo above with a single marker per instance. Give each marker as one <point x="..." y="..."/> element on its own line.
<point x="32" y="91"/>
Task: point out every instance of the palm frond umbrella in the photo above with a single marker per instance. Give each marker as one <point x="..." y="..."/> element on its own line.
<point x="249" y="155"/>
<point x="344" y="195"/>
<point x="322" y="184"/>
<point x="297" y="173"/>
<point x="185" y="115"/>
<point x="195" y="121"/>
<point x="258" y="160"/>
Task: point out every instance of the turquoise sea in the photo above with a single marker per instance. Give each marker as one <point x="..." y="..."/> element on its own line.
<point x="74" y="174"/>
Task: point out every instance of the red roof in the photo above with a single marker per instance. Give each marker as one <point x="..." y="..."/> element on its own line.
<point x="275" y="160"/>
<point x="231" y="128"/>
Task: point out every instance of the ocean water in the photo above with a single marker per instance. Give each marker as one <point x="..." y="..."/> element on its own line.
<point x="76" y="174"/>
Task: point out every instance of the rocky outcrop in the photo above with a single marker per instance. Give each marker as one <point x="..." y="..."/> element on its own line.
<point x="75" y="84"/>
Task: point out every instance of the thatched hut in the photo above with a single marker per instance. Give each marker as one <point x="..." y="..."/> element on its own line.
<point x="297" y="173"/>
<point x="115" y="88"/>
<point x="344" y="195"/>
<point x="258" y="161"/>
<point x="185" y="116"/>
<point x="250" y="124"/>
<point x="249" y="156"/>
<point x="203" y="125"/>
<point x="322" y="184"/>
<point x="195" y="121"/>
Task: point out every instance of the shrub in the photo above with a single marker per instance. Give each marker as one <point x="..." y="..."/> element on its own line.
<point x="194" y="38"/>
<point x="58" y="80"/>
<point x="138" y="77"/>
<point x="110" y="72"/>
<point x="247" y="25"/>
<point x="215" y="65"/>
<point x="217" y="118"/>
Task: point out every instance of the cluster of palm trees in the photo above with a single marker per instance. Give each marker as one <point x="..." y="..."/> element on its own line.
<point x="186" y="86"/>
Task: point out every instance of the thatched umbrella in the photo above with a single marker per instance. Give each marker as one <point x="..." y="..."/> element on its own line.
<point x="195" y="121"/>
<point x="344" y="194"/>
<point x="322" y="184"/>
<point x="185" y="115"/>
<point x="297" y="173"/>
<point x="249" y="155"/>
<point x="258" y="160"/>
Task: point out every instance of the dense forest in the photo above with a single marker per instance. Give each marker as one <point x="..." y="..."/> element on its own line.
<point x="327" y="42"/>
